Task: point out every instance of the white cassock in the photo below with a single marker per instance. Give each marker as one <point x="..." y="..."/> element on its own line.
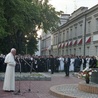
<point x="81" y="67"/>
<point x="61" y="67"/>
<point x="71" y="68"/>
<point x="87" y="62"/>
<point x="9" y="80"/>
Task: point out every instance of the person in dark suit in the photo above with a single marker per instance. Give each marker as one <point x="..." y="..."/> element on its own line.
<point x="77" y="64"/>
<point x="93" y="62"/>
<point x="52" y="66"/>
<point x="84" y="64"/>
<point x="57" y="64"/>
<point x="2" y="68"/>
<point x="48" y="64"/>
<point x="66" y="65"/>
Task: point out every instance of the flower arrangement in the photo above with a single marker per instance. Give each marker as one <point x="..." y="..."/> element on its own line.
<point x="86" y="73"/>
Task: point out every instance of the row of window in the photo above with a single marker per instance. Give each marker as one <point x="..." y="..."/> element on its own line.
<point x="74" y="31"/>
<point x="76" y="51"/>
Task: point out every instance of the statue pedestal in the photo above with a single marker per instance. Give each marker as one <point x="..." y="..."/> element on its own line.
<point x="89" y="88"/>
<point x="94" y="76"/>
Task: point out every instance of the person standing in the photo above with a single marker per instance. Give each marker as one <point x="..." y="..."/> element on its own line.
<point x="71" y="67"/>
<point x="9" y="80"/>
<point x="57" y="64"/>
<point x="82" y="62"/>
<point x="61" y="67"/>
<point x="87" y="61"/>
<point x="52" y="66"/>
<point x="67" y="65"/>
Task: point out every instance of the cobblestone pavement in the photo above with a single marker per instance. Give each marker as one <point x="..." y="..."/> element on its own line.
<point x="40" y="89"/>
<point x="72" y="90"/>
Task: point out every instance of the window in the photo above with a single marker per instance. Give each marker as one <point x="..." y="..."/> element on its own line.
<point x="70" y="51"/>
<point x="80" y="33"/>
<point x="87" y="50"/>
<point x="74" y="51"/>
<point x="66" y="52"/>
<point x="54" y="40"/>
<point x="63" y="52"/>
<point x="59" y="36"/>
<point x="97" y="24"/>
<point x="75" y="31"/>
<point x="67" y="35"/>
<point x="63" y="35"/>
<point x="89" y="26"/>
<point x="71" y="33"/>
<point x="79" y="51"/>
<point x="96" y="50"/>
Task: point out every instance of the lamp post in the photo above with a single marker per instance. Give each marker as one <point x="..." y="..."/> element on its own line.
<point x="84" y="33"/>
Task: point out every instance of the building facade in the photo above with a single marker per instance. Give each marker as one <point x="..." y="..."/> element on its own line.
<point x="79" y="35"/>
<point x="46" y="43"/>
<point x="48" y="39"/>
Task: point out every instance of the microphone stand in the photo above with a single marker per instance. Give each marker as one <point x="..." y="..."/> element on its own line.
<point x="30" y="79"/>
<point x="31" y="67"/>
<point x="16" y="93"/>
<point x="28" y="64"/>
<point x="20" y="75"/>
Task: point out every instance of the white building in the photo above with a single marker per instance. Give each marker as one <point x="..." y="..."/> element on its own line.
<point x="79" y="35"/>
<point x="48" y="39"/>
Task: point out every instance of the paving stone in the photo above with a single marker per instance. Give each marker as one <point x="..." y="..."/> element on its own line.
<point x="28" y="76"/>
<point x="40" y="89"/>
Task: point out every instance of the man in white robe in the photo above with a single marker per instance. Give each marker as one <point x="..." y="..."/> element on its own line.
<point x="61" y="67"/>
<point x="9" y="80"/>
<point x="71" y="67"/>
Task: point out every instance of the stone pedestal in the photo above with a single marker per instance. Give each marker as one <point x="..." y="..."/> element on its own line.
<point x="90" y="88"/>
<point x="94" y="76"/>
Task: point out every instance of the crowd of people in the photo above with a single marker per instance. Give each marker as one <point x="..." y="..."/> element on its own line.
<point x="27" y="63"/>
<point x="47" y="63"/>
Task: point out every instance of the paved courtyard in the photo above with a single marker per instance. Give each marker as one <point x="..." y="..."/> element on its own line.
<point x="41" y="89"/>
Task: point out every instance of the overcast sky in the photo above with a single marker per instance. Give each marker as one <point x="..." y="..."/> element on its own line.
<point x="68" y="6"/>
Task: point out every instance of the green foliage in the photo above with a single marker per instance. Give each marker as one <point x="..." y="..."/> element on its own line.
<point x="48" y="17"/>
<point x="2" y="20"/>
<point x="19" y="18"/>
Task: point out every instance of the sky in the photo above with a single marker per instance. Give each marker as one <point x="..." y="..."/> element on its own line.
<point x="69" y="6"/>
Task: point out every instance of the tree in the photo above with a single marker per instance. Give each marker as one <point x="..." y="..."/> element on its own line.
<point x="3" y="21"/>
<point x="19" y="18"/>
<point x="48" y="17"/>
